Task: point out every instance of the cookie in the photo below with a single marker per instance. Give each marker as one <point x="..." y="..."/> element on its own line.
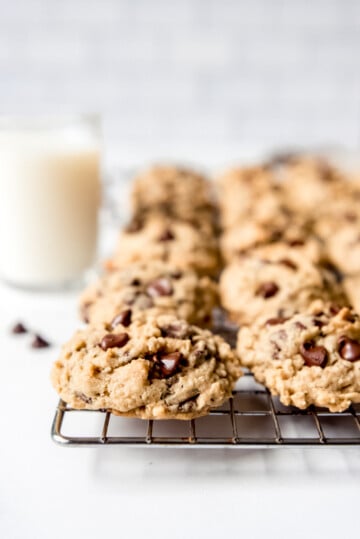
<point x="149" y="289"/>
<point x="343" y="248"/>
<point x="310" y="183"/>
<point x="170" y="241"/>
<point x="175" y="192"/>
<point x="161" y="368"/>
<point x="342" y="211"/>
<point x="274" y="283"/>
<point x="308" y="359"/>
<point x="352" y="289"/>
<point x="248" y="194"/>
<point x="248" y="236"/>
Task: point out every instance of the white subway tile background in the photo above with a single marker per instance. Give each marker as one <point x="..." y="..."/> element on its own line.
<point x="174" y="76"/>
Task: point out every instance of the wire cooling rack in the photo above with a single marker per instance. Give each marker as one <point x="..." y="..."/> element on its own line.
<point x="252" y="418"/>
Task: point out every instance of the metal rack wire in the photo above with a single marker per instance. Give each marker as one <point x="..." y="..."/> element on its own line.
<point x="252" y="418"/>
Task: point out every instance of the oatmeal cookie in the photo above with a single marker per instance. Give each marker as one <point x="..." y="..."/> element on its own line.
<point x="161" y="368"/>
<point x="248" y="194"/>
<point x="250" y="235"/>
<point x="149" y="289"/>
<point x="169" y="241"/>
<point x="310" y="183"/>
<point x="344" y="211"/>
<point x="173" y="191"/>
<point x="309" y="358"/>
<point x="343" y="248"/>
<point x="274" y="282"/>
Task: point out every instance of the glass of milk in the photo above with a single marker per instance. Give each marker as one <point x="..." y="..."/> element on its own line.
<point x="49" y="199"/>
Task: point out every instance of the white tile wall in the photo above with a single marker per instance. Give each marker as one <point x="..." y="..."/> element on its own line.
<point x="187" y="74"/>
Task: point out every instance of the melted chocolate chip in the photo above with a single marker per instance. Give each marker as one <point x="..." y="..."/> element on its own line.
<point x="349" y="349"/>
<point x="318" y="323"/>
<point x="289" y="263"/>
<point x="39" y="342"/>
<point x="275" y="321"/>
<point x="113" y="340"/>
<point x="267" y="290"/>
<point x="167" y="235"/>
<point x="176" y="330"/>
<point x="123" y="318"/>
<point x="314" y="356"/>
<point x="18" y="329"/>
<point x="168" y="363"/>
<point x="160" y="287"/>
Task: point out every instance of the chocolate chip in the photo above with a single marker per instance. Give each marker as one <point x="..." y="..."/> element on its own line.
<point x="39" y="342"/>
<point x="314" y="356"/>
<point x="334" y="270"/>
<point x="168" y="363"/>
<point x="275" y="321"/>
<point x="84" y="311"/>
<point x="123" y="318"/>
<point x="318" y="323"/>
<point x="296" y="243"/>
<point x="267" y="290"/>
<point x="176" y="274"/>
<point x="134" y="226"/>
<point x="289" y="263"/>
<point x="276" y="235"/>
<point x="113" y="340"/>
<point x="176" y="330"/>
<point x="167" y="235"/>
<point x="283" y="158"/>
<point x="334" y="309"/>
<point x="84" y="397"/>
<point x="299" y="325"/>
<point x="160" y="287"/>
<point x="351" y="217"/>
<point x="135" y="282"/>
<point x="349" y="349"/>
<point x="18" y="329"/>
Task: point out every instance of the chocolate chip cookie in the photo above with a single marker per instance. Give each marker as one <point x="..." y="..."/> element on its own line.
<point x="248" y="193"/>
<point x="149" y="289"/>
<point x="274" y="282"/>
<point x="343" y="247"/>
<point x="250" y="235"/>
<point x="309" y="358"/>
<point x="310" y="183"/>
<point x="173" y="191"/>
<point x="161" y="368"/>
<point x="166" y="240"/>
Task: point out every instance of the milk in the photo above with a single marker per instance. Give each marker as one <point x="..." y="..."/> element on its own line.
<point x="49" y="199"/>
